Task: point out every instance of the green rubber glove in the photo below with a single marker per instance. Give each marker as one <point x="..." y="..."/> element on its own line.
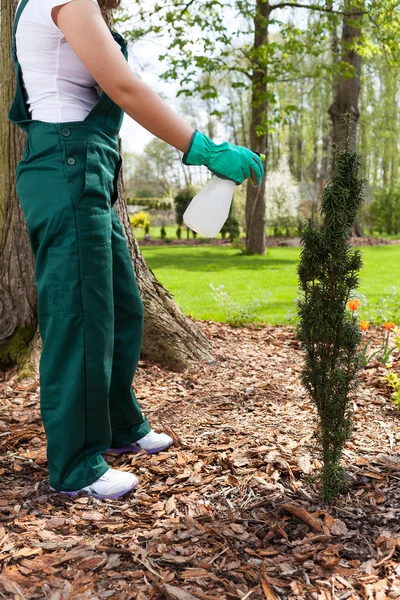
<point x="225" y="160"/>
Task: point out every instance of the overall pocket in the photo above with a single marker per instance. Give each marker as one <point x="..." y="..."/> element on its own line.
<point x="92" y="205"/>
<point x="63" y="280"/>
<point x="100" y="167"/>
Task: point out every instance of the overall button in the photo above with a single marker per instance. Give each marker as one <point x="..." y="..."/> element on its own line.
<point x="65" y="131"/>
<point x="71" y="160"/>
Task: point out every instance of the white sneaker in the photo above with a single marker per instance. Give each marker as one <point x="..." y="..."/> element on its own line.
<point x="112" y="484"/>
<point x="150" y="443"/>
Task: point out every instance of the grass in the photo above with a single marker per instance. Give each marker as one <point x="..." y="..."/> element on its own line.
<point x="155" y="233"/>
<point x="187" y="272"/>
<point x="171" y="233"/>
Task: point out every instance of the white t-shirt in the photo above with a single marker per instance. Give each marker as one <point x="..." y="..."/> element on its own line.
<point x="58" y="85"/>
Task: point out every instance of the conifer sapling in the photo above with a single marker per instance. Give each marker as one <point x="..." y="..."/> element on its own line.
<point x="330" y="335"/>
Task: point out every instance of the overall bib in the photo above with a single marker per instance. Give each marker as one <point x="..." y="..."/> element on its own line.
<point x="89" y="308"/>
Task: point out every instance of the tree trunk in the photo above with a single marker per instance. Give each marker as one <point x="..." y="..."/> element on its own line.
<point x="348" y="89"/>
<point x="18" y="296"/>
<point x="170" y="337"/>
<point x="255" y="198"/>
<point x="242" y="118"/>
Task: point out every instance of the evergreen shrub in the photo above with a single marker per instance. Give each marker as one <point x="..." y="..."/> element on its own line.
<point x="330" y="335"/>
<point x="231" y="226"/>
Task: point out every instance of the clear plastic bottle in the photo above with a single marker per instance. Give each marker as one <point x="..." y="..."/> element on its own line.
<point x="209" y="209"/>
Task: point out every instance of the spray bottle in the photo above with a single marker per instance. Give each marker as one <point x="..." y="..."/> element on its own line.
<point x="209" y="209"/>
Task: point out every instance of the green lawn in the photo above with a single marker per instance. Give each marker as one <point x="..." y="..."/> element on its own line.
<point x="188" y="271"/>
<point x="171" y="233"/>
<point x="170" y="230"/>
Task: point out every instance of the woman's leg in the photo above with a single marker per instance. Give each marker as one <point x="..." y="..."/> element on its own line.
<point x="70" y="227"/>
<point x="128" y="423"/>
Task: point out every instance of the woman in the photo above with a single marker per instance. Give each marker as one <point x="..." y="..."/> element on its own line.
<point x="90" y="310"/>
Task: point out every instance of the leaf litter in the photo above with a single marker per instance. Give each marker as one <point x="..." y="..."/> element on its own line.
<point x="231" y="511"/>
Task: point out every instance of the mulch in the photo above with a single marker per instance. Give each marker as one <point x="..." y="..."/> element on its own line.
<point x="232" y="511"/>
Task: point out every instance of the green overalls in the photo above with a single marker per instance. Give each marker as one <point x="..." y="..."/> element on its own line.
<point x="89" y="309"/>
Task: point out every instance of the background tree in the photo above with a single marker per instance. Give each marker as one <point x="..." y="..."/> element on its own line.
<point x="231" y="226"/>
<point x="265" y="52"/>
<point x="154" y="172"/>
<point x="348" y="80"/>
<point x="170" y="337"/>
<point x="256" y="65"/>
<point x="283" y="200"/>
<point x="181" y="201"/>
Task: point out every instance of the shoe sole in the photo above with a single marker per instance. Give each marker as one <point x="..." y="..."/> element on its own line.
<point x="98" y="496"/>
<point x="136" y="449"/>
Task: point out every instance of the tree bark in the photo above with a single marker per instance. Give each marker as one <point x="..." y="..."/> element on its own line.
<point x="170" y="337"/>
<point x="255" y="198"/>
<point x="18" y="296"/>
<point x="347" y="89"/>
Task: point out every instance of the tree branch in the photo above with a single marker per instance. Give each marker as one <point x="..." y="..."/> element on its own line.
<point x="187" y="6"/>
<point x="234" y="69"/>
<point x="316" y="8"/>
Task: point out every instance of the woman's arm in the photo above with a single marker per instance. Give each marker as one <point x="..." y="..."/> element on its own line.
<point x="83" y="26"/>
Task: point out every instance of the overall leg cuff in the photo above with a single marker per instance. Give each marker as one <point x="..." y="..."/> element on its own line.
<point x="130" y="435"/>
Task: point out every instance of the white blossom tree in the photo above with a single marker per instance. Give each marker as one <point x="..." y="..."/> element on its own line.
<point x="283" y="196"/>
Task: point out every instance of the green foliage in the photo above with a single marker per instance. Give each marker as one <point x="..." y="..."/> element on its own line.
<point x="140" y="220"/>
<point x="163" y="233"/>
<point x="383" y="353"/>
<point x="365" y="356"/>
<point x="229" y="52"/>
<point x="237" y="313"/>
<point x="394" y="382"/>
<point x="286" y="229"/>
<point x="328" y="274"/>
<point x="397" y="340"/>
<point x="386" y="307"/>
<point x="179" y="232"/>
<point x="142" y="193"/>
<point x="182" y="200"/>
<point x="295" y="66"/>
<point x="385" y="211"/>
<point x="154" y="172"/>
<point x="231" y="227"/>
<point x="157" y="203"/>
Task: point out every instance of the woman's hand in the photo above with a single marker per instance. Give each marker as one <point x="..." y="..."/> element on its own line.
<point x="225" y="160"/>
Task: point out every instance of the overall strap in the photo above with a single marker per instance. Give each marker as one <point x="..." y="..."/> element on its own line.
<point x="16" y="20"/>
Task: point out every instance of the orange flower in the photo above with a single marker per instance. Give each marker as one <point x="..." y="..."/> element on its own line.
<point x="388" y="325"/>
<point x="364" y="325"/>
<point x="353" y="304"/>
